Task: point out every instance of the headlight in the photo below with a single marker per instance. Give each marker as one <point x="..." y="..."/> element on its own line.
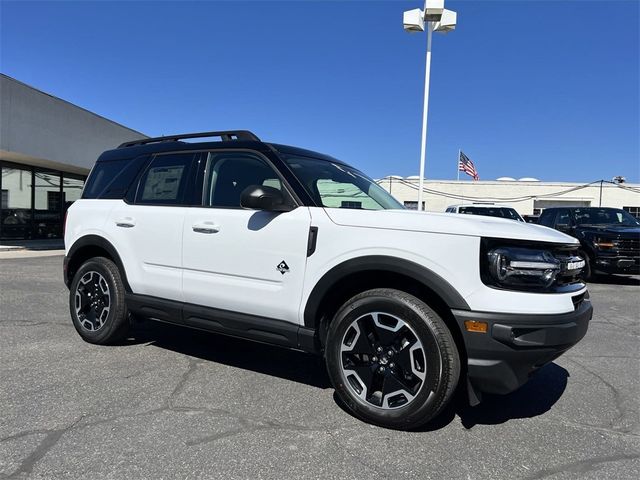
<point x="603" y="243"/>
<point x="539" y="267"/>
<point x="520" y="267"/>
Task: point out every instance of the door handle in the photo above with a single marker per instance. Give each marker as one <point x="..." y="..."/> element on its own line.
<point x="125" y="222"/>
<point x="205" y="227"/>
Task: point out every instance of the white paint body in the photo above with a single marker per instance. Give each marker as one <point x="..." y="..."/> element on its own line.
<point x="230" y="260"/>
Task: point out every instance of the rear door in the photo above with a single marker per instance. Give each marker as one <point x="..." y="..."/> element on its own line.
<point x="239" y="260"/>
<point x="147" y="230"/>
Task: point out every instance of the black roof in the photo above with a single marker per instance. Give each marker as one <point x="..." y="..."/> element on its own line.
<point x="229" y="139"/>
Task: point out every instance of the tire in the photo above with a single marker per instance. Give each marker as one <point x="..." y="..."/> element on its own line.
<point x="587" y="272"/>
<point x="97" y="303"/>
<point x="392" y="359"/>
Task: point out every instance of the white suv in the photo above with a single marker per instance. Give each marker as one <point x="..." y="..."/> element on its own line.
<point x="486" y="209"/>
<point x="294" y="248"/>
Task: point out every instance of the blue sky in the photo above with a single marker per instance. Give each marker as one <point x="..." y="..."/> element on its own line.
<point x="525" y="88"/>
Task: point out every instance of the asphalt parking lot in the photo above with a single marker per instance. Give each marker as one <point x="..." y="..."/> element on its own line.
<point x="175" y="403"/>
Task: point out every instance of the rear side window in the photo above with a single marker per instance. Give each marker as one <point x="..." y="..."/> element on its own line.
<point x="112" y="179"/>
<point x="164" y="182"/>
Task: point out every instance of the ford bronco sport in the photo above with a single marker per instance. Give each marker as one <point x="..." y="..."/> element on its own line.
<point x="294" y="248"/>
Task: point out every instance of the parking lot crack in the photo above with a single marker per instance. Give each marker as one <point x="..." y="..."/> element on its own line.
<point x="52" y="437"/>
<point x="248" y="425"/>
<point x="581" y="466"/>
<point x="595" y="428"/>
<point x="617" y="397"/>
<point x="191" y="368"/>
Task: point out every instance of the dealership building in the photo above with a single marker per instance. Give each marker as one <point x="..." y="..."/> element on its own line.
<point x="528" y="196"/>
<point x="47" y="148"/>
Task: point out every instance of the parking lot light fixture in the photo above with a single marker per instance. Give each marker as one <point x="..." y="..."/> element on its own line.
<point x="437" y="19"/>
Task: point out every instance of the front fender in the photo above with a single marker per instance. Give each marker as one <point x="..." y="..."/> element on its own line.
<point x="407" y="268"/>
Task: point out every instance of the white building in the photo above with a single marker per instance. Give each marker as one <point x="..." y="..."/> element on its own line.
<point x="528" y="197"/>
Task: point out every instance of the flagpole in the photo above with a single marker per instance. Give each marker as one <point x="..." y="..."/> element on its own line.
<point x="458" y="163"/>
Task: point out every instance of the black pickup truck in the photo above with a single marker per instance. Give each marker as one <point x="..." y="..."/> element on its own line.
<point x="610" y="237"/>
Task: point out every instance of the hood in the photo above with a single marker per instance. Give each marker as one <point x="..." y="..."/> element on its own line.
<point x="446" y="223"/>
<point x="613" y="230"/>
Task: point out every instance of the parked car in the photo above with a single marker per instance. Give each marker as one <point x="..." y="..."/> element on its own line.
<point x="295" y="248"/>
<point x="486" y="209"/>
<point x="531" y="218"/>
<point x="609" y="237"/>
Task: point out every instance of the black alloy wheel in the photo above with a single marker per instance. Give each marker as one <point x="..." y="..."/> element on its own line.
<point x="391" y="359"/>
<point x="92" y="301"/>
<point x="97" y="303"/>
<point x="383" y="360"/>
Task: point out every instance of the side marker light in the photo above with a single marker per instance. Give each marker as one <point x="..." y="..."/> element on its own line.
<point x="475" y="326"/>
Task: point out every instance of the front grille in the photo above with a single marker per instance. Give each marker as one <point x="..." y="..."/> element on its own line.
<point x="629" y="247"/>
<point x="565" y="255"/>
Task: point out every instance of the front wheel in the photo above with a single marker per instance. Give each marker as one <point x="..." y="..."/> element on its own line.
<point x="391" y="359"/>
<point x="96" y="302"/>
<point x="587" y="271"/>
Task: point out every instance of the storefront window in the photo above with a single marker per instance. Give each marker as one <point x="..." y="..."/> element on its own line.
<point x="15" y="214"/>
<point x="71" y="189"/>
<point x="47" y="214"/>
<point x="33" y="201"/>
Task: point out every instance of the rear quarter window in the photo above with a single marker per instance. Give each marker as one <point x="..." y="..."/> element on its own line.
<point x="112" y="179"/>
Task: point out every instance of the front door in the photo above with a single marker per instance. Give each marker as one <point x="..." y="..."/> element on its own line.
<point x="245" y="261"/>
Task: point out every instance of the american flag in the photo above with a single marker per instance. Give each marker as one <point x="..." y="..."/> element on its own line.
<point x="466" y="165"/>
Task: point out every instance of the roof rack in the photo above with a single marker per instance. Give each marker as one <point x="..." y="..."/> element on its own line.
<point x="226" y="136"/>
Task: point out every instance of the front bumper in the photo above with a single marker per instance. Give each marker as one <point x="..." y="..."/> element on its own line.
<point x="617" y="264"/>
<point x="516" y="345"/>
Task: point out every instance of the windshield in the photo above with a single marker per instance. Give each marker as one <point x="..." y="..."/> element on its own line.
<point x="604" y="216"/>
<point x="502" y="212"/>
<point x="334" y="185"/>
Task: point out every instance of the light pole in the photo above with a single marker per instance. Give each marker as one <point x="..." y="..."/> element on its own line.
<point x="438" y="19"/>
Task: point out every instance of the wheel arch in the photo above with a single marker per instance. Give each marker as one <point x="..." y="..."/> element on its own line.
<point x="87" y="247"/>
<point x="363" y="273"/>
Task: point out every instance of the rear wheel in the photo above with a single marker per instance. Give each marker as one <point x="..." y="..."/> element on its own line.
<point x="392" y="359"/>
<point x="96" y="302"/>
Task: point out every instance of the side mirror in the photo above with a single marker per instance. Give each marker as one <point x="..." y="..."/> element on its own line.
<point x="261" y="197"/>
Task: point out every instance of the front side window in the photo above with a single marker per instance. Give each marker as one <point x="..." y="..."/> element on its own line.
<point x="335" y="185"/>
<point x="164" y="182"/>
<point x="228" y="174"/>
<point x="547" y="217"/>
<point x="564" y="219"/>
<point x="604" y="216"/>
